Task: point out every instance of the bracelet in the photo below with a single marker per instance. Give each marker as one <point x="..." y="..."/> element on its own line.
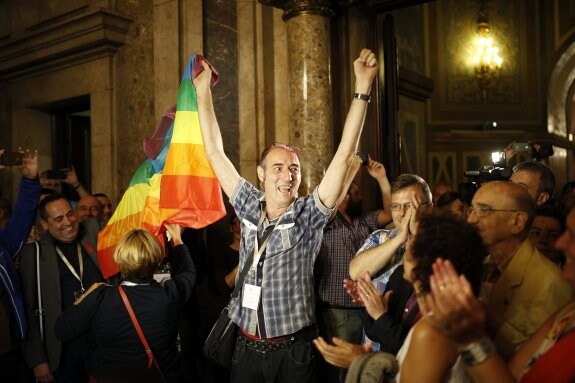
<point x="77" y="186"/>
<point x="477" y="352"/>
<point x="362" y="96"/>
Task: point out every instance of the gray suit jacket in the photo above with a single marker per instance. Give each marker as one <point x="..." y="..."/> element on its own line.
<point x="34" y="351"/>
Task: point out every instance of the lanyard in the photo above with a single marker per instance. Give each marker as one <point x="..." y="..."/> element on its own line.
<point x="69" y="266"/>
<point x="258" y="251"/>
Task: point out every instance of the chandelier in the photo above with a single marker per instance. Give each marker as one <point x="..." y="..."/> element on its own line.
<point x="485" y="58"/>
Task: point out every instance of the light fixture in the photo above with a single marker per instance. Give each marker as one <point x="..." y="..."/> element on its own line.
<point x="485" y="57"/>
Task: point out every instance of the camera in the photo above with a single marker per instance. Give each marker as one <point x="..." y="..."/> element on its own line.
<point x="11" y="159"/>
<point x="538" y="151"/>
<point x="56" y="174"/>
<point x="364" y="158"/>
<point x="497" y="171"/>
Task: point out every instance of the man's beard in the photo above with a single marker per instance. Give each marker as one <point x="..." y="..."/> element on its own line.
<point x="353" y="209"/>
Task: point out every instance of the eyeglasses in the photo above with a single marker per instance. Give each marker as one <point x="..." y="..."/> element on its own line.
<point x="405" y="206"/>
<point x="484" y="211"/>
<point x="293" y="149"/>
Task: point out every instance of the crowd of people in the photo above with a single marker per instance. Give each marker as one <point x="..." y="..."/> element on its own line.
<point x="429" y="288"/>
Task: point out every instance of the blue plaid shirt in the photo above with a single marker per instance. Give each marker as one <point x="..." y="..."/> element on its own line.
<point x="375" y="239"/>
<point x="285" y="272"/>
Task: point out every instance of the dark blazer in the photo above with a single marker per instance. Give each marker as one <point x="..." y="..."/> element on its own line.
<point x="389" y="329"/>
<point x="34" y="352"/>
<point x="119" y="353"/>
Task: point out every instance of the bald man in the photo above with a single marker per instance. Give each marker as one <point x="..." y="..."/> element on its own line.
<point x="522" y="287"/>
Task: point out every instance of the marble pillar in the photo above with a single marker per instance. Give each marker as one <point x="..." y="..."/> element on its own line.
<point x="310" y="96"/>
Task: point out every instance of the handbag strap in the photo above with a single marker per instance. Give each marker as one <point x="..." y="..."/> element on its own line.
<point x="149" y="353"/>
<point x="242" y="276"/>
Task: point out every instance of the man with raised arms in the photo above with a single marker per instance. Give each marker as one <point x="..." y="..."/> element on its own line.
<point x="275" y="309"/>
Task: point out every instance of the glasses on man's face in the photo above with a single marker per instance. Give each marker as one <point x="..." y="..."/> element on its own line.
<point x="405" y="206"/>
<point x="399" y="206"/>
<point x="484" y="211"/>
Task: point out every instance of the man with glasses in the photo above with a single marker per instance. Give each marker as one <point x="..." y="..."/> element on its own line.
<point x="382" y="253"/>
<point x="383" y="250"/>
<point x="275" y="309"/>
<point x="522" y="288"/>
<point x="89" y="207"/>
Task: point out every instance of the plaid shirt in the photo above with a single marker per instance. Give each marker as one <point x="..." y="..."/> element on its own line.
<point x="286" y="269"/>
<point x="375" y="239"/>
<point x="341" y="240"/>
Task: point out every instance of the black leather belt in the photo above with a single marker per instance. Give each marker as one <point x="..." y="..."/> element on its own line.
<point x="263" y="346"/>
<point x="266" y="345"/>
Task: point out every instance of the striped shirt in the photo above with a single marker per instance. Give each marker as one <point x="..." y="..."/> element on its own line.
<point x="285" y="271"/>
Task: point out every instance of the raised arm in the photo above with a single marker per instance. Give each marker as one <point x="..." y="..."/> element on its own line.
<point x="16" y="231"/>
<point x="365" y="68"/>
<point x="349" y="176"/>
<point x="72" y="180"/>
<point x="377" y="171"/>
<point x="225" y="171"/>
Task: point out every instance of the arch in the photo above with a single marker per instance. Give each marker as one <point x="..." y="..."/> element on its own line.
<point x="560" y="83"/>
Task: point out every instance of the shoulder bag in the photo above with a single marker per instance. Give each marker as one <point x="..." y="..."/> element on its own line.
<point x="221" y="341"/>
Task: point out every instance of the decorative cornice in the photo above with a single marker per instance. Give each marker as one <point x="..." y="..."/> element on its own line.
<point x="80" y="38"/>
<point x="414" y="85"/>
<point x="292" y="8"/>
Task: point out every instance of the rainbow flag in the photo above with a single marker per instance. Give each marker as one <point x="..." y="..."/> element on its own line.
<point x="175" y="184"/>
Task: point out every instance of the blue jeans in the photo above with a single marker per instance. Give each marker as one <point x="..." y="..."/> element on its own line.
<point x="342" y="323"/>
<point x="295" y="363"/>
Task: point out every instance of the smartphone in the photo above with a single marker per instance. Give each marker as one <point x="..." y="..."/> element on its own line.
<point x="521" y="147"/>
<point x="364" y="158"/>
<point x="11" y="159"/>
<point x="56" y="174"/>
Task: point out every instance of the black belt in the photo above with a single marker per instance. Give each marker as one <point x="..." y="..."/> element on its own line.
<point x="266" y="345"/>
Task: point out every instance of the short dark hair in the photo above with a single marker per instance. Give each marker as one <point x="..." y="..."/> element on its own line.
<point x="274" y="145"/>
<point x="546" y="176"/>
<point x="447" y="198"/>
<point x="552" y="212"/>
<point x="101" y="195"/>
<point x="444" y="236"/>
<point x="49" y="199"/>
<point x="406" y="180"/>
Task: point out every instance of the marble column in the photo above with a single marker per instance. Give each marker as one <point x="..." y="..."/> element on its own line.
<point x="310" y="96"/>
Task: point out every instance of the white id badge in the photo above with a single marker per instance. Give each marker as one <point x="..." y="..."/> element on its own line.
<point x="251" y="297"/>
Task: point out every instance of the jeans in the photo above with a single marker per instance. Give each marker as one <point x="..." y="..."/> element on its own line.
<point x="342" y="323"/>
<point x="295" y="363"/>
